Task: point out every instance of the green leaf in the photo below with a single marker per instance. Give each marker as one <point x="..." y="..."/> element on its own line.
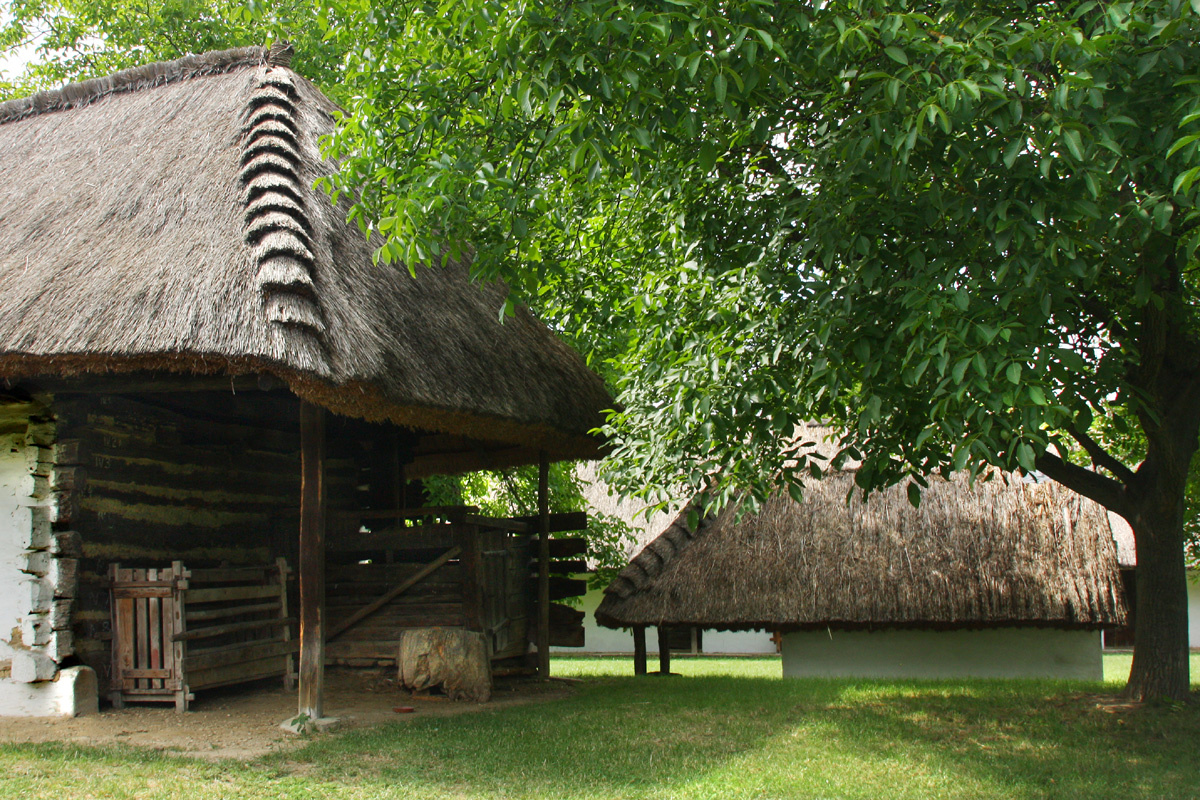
<point x="719" y="87"/>
<point x="1182" y="143"/>
<point x="1012" y="151"/>
<point x="896" y="54"/>
<point x="707" y="157"/>
<point x="1025" y="457"/>
<point x="523" y="98"/>
<point x="1185" y="180"/>
<point x="1037" y="395"/>
<point x="1013" y="373"/>
<point x="1074" y="143"/>
<point x="914" y="495"/>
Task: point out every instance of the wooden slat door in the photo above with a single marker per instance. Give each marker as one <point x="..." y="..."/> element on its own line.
<point x="144" y="625"/>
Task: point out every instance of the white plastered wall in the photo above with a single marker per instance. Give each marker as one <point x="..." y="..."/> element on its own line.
<point x="598" y="639"/>
<point x="37" y="581"/>
<point x="917" y="654"/>
<point x="25" y="539"/>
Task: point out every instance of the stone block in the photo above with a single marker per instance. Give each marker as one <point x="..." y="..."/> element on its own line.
<point x="67" y="544"/>
<point x="454" y="658"/>
<point x="37" y="562"/>
<point x="59" y="644"/>
<point x="30" y="666"/>
<point x="40" y="593"/>
<point x="72" y="693"/>
<point x="63" y="575"/>
<point x="35" y="630"/>
<point x="61" y="614"/>
<point x="40" y="527"/>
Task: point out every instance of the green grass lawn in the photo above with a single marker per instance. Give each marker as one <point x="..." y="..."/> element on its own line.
<point x="729" y="728"/>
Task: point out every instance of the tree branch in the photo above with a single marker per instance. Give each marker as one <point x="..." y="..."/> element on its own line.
<point x="1105" y="491"/>
<point x="1101" y="457"/>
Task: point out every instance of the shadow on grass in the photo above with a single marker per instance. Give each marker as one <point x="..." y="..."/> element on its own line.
<point x="699" y="737"/>
<point x="730" y="737"/>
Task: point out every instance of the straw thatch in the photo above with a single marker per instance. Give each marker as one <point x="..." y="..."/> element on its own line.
<point x="165" y="218"/>
<point x="1004" y="552"/>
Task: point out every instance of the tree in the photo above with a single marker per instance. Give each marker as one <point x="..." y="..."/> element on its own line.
<point x="78" y="39"/>
<point x="966" y="233"/>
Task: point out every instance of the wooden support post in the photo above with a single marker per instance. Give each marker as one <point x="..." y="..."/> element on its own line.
<point x="664" y="651"/>
<point x="543" y="636"/>
<point x="639" y="649"/>
<point x="312" y="561"/>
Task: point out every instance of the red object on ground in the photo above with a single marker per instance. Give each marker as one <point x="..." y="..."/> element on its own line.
<point x="404" y="709"/>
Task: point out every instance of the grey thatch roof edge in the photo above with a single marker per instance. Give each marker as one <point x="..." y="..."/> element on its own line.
<point x="75" y="95"/>
<point x="1034" y="557"/>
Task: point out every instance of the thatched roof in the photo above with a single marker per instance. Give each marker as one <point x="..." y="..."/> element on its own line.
<point x="165" y="219"/>
<point x="602" y="500"/>
<point x="1004" y="552"/>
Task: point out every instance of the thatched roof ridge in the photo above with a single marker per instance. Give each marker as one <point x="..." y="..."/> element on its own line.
<point x="77" y="95"/>
<point x="1004" y="552"/>
<point x="166" y="219"/>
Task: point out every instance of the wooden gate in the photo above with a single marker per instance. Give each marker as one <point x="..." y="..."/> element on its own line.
<point x="177" y="630"/>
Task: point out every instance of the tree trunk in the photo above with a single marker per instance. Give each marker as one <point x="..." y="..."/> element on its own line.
<point x="1160" y="639"/>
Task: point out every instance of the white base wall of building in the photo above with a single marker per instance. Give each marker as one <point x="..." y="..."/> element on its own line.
<point x="71" y="693"/>
<point x="921" y="654"/>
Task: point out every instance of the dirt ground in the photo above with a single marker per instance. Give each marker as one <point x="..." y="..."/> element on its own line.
<point x="243" y="722"/>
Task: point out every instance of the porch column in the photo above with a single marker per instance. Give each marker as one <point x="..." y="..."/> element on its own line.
<point x="664" y="651"/>
<point x="312" y="561"/>
<point x="543" y="636"/>
<point x="639" y="649"/>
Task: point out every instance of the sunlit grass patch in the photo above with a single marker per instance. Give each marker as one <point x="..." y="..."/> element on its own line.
<point x="724" y="728"/>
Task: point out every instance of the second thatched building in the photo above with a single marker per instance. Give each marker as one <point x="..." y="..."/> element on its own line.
<point x="1005" y="578"/>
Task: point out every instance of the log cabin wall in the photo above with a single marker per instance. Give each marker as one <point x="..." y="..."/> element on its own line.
<point x="207" y="478"/>
<point x="213" y="479"/>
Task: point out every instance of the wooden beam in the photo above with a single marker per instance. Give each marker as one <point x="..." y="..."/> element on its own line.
<point x="639" y="649"/>
<point x="664" y="651"/>
<point x="543" y="638"/>
<point x="312" y="561"/>
<point x="452" y="513"/>
<point x="560" y="522"/>
<point x="393" y="593"/>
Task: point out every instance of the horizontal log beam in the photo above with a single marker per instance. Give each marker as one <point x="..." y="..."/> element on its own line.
<point x="234" y="627"/>
<point x="560" y="522"/>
